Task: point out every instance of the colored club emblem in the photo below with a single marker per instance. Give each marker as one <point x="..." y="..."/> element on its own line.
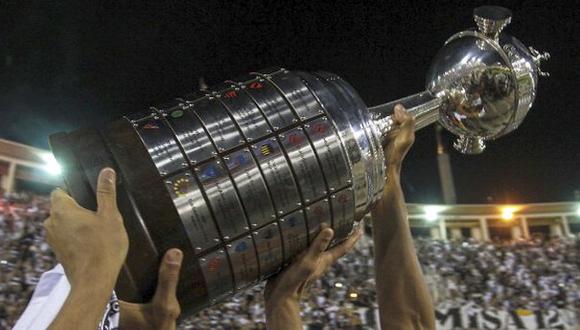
<point x="320" y="127"/>
<point x="213" y="264"/>
<point x="150" y="125"/>
<point x="343" y="198"/>
<point x="180" y="186"/>
<point x="241" y="247"/>
<point x="230" y="94"/>
<point x="295" y="138"/>
<point x="256" y="85"/>
<point x="210" y="171"/>
<point x="319" y="212"/>
<point x="240" y="160"/>
<point x="177" y="114"/>
<point x="292" y="222"/>
<point x="266" y="149"/>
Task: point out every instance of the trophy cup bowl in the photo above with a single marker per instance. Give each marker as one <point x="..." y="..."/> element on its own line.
<point x="240" y="177"/>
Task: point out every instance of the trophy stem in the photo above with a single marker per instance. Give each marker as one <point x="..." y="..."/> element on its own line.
<point x="424" y="106"/>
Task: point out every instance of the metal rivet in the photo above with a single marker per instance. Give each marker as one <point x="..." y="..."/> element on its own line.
<point x="216" y="239"/>
<point x="226" y="238"/>
<point x="281" y="212"/>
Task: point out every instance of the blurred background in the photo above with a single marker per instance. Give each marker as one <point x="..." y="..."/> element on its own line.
<point x="513" y="257"/>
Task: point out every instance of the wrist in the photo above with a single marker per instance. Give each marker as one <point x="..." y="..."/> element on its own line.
<point x="95" y="274"/>
<point x="286" y="303"/>
<point x="393" y="172"/>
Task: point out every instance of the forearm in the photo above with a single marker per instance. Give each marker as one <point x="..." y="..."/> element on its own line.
<point x="403" y="297"/>
<point x="283" y="314"/>
<point x="84" y="306"/>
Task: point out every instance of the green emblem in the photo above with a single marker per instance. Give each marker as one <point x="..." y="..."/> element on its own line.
<point x="177" y="114"/>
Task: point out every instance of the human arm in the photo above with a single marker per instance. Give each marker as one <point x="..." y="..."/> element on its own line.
<point x="283" y="292"/>
<point x="402" y="294"/>
<point x="91" y="246"/>
<point x="162" y="311"/>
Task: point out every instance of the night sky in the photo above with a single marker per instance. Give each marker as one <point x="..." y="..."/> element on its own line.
<point x="66" y="64"/>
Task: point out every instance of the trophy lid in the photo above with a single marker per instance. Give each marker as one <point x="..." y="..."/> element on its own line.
<point x="487" y="78"/>
<point x="491" y="20"/>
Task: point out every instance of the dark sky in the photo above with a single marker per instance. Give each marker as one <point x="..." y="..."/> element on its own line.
<point x="69" y="63"/>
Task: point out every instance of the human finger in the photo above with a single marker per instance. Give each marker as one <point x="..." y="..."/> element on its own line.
<point x="107" y="192"/>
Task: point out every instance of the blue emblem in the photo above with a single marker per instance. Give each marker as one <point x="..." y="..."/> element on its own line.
<point x="211" y="172"/>
<point x="241" y="247"/>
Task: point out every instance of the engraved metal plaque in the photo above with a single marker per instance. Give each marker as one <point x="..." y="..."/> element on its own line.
<point x="251" y="187"/>
<point x="218" y="123"/>
<point x="296" y="92"/>
<point x="294" y="233"/>
<point x="223" y="199"/>
<point x="191" y="135"/>
<point x="193" y="211"/>
<point x="330" y="152"/>
<point x="272" y="104"/>
<point x="316" y="214"/>
<point x="246" y="113"/>
<point x="217" y="273"/>
<point x="161" y="145"/>
<point x="278" y="176"/>
<point x="343" y="210"/>
<point x="269" y="245"/>
<point x="305" y="164"/>
<point x="243" y="255"/>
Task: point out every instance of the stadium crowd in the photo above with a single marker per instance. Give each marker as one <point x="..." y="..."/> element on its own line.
<point x="528" y="274"/>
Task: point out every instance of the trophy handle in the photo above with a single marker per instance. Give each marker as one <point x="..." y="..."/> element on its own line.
<point x="423" y="106"/>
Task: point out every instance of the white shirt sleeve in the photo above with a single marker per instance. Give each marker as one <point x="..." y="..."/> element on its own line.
<point x="49" y="296"/>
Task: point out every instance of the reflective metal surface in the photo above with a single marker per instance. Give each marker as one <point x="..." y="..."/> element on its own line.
<point x="482" y="83"/>
<point x="242" y="176"/>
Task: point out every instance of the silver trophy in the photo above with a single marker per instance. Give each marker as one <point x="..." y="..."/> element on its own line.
<point x="240" y="177"/>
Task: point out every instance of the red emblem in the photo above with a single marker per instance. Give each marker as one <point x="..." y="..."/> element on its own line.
<point x="320" y="128"/>
<point x="319" y="212"/>
<point x="230" y="94"/>
<point x="150" y="125"/>
<point x="256" y="85"/>
<point x="295" y="138"/>
<point x="214" y="264"/>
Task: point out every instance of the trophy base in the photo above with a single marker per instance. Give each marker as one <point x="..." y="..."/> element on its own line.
<point x="83" y="153"/>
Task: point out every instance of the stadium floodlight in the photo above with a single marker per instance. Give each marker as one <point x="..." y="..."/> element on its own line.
<point x="432" y="212"/>
<point x="338" y="285"/>
<point x="507" y="213"/>
<point x="353" y="295"/>
<point x="51" y="166"/>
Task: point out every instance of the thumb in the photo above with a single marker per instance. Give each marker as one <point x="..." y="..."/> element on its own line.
<point x="106" y="192"/>
<point x="169" y="277"/>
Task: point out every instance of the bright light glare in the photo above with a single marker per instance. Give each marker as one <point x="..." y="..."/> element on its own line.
<point x="507" y="213"/>
<point x="338" y="285"/>
<point x="578" y="211"/>
<point x="51" y="166"/>
<point x="432" y="212"/>
<point x="353" y="295"/>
